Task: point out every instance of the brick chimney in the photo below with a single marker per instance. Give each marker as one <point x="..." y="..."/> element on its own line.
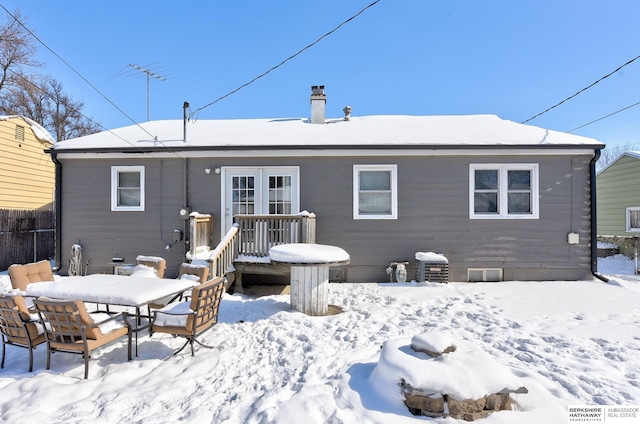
<point x="318" y="104"/>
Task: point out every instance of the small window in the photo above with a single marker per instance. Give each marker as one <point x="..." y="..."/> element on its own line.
<point x="19" y="133"/>
<point x="127" y="188"/>
<point x="375" y="192"/>
<point x="503" y="191"/>
<point x="633" y="220"/>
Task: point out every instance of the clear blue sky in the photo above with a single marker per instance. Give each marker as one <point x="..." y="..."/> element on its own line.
<point x="417" y="57"/>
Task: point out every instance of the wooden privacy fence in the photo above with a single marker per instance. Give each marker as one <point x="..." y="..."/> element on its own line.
<point x="26" y="236"/>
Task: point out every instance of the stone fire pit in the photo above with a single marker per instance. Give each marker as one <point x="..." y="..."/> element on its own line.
<point x="441" y="376"/>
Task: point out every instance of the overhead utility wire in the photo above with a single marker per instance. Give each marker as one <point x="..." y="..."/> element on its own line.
<point x="283" y="62"/>
<point x="606" y="116"/>
<point x="584" y="89"/>
<point x="56" y="99"/>
<point x="97" y="123"/>
<point x="47" y="94"/>
<point x="74" y="70"/>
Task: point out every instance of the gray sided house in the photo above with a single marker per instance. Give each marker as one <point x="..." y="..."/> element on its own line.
<point x="618" y="202"/>
<point x="499" y="200"/>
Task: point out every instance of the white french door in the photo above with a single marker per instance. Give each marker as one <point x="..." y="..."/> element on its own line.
<point x="259" y="191"/>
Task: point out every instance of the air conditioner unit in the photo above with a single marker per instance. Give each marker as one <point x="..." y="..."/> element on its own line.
<point x="432" y="267"/>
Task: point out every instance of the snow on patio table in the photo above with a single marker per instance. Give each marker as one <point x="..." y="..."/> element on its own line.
<point x="303" y="253"/>
<point x="110" y="289"/>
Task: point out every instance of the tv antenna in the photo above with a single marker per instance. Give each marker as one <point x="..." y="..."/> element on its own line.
<point x="150" y="73"/>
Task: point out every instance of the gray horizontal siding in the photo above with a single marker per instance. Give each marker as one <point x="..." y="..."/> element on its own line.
<point x="432" y="214"/>
<point x="87" y="217"/>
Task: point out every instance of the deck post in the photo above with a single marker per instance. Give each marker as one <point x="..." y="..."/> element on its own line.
<point x="308" y="229"/>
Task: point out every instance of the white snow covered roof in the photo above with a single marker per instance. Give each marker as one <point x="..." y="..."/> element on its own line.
<point x="635" y="154"/>
<point x="38" y="130"/>
<point x="359" y="132"/>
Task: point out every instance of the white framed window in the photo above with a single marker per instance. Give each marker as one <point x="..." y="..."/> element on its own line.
<point x="127" y="188"/>
<point x="375" y="192"/>
<point x="503" y="191"/>
<point x="633" y="219"/>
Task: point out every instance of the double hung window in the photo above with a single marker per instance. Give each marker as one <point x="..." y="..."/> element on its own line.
<point x="503" y="191"/>
<point x="375" y="192"/>
<point x="127" y="188"/>
<point x="633" y="219"/>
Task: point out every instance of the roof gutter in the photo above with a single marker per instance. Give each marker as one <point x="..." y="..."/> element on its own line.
<point x="58" y="209"/>
<point x="594" y="219"/>
<point x="163" y="149"/>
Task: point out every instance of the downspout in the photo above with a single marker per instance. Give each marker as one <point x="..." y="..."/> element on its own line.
<point x="185" y="230"/>
<point x="185" y="198"/>
<point x="594" y="219"/>
<point x="58" y="210"/>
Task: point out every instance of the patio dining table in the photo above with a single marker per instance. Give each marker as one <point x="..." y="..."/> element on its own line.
<point x="117" y="290"/>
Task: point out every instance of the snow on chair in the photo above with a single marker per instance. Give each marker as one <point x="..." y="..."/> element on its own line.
<point x="18" y="327"/>
<point x="187" y="271"/>
<point x="190" y="319"/>
<point x="70" y="328"/>
<point x="193" y="270"/>
<point x="157" y="263"/>
<point x="23" y="275"/>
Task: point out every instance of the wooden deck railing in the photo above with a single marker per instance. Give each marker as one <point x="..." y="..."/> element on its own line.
<point x="254" y="235"/>
<point x="222" y="257"/>
<point x="258" y="233"/>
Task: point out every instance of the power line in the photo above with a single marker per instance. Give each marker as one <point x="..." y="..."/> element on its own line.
<point x="284" y="61"/>
<point x="74" y="70"/>
<point x="46" y="93"/>
<point x="606" y="116"/>
<point x="91" y="85"/>
<point x="584" y="89"/>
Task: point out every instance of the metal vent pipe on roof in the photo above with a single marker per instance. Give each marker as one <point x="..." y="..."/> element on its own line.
<point x="347" y="113"/>
<point x="185" y="106"/>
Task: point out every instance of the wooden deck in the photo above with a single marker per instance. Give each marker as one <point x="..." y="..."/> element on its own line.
<point x="245" y="248"/>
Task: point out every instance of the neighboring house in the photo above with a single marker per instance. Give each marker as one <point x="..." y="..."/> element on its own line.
<point x="618" y="201"/>
<point x="500" y="200"/>
<point x="27" y="174"/>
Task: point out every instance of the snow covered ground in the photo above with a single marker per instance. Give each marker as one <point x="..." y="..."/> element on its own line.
<point x="569" y="343"/>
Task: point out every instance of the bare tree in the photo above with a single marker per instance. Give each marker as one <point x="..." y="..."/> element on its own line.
<point x="17" y="51"/>
<point x="46" y="103"/>
<point x="35" y="96"/>
<point x="609" y="155"/>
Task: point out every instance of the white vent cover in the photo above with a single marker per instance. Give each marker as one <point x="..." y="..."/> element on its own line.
<point x="479" y="275"/>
